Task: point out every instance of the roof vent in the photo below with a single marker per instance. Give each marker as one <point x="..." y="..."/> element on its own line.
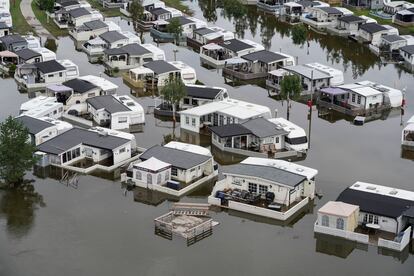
<point x="357" y="185"/>
<point x="299" y="169"/>
<point x="393" y="192"/>
<point x="373" y="188"/>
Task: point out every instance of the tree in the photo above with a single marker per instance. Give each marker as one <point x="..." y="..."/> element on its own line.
<point x="290" y="88"/>
<point x="174" y="27"/>
<point x="16" y="152"/>
<point x="173" y="92"/>
<point x="47" y="5"/>
<point x="137" y="14"/>
<point x="299" y="34"/>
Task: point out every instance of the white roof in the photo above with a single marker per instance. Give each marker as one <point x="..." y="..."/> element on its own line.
<point x="365" y="91"/>
<point x="158" y="54"/>
<point x="338" y="208"/>
<point x="279" y="72"/>
<point x="96" y="41"/>
<point x="104" y="84"/>
<point x="130" y="103"/>
<point x="112" y="26"/>
<point x="344" y="11"/>
<point x="132" y="38"/>
<point x="307" y="172"/>
<point x="188" y="147"/>
<point x="368" y="19"/>
<point x="35" y="102"/>
<point x="394" y="3"/>
<point x="38" y="111"/>
<point x="141" y="70"/>
<point x="60" y="125"/>
<point x="292" y="4"/>
<point x="235" y="60"/>
<point x="409" y="39"/>
<point x="293" y="129"/>
<point x="235" y="108"/>
<point x="116" y="133"/>
<point x="152" y="164"/>
<point x="411" y="120"/>
<point x="383" y="190"/>
<point x="257" y="46"/>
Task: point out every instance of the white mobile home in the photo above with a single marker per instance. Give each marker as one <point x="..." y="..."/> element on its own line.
<point x="119" y="112"/>
<point x="407" y="136"/>
<point x="37" y="76"/>
<point x="43" y="129"/>
<point x="271" y="188"/>
<point x="48" y="109"/>
<point x="227" y="111"/>
<point x="78" y="144"/>
<point x="189" y="164"/>
<point x="366" y="207"/>
<point x="215" y="55"/>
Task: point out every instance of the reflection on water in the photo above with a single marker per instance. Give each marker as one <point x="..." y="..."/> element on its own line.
<point x="17" y="207"/>
<point x="342" y="248"/>
<point x="333" y="116"/>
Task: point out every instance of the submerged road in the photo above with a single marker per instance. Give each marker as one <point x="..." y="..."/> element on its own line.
<point x="27" y="11"/>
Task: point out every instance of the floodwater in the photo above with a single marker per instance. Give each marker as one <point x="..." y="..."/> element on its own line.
<point x="96" y="228"/>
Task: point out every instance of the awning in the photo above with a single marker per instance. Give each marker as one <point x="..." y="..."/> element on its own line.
<point x="279" y="73"/>
<point x="141" y="71"/>
<point x="160" y="22"/>
<point x="8" y="54"/>
<point x="212" y="46"/>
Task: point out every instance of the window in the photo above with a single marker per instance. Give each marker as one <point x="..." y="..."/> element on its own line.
<point x="186" y="101"/>
<point x="138" y="175"/>
<point x="122" y="150"/>
<point x="353" y="97"/>
<point x="187" y="120"/>
<point x="193" y="121"/>
<point x="50" y="76"/>
<point x="277" y="140"/>
<point x="174" y="171"/>
<point x="325" y="221"/>
<point x="252" y="187"/>
<point x="122" y="119"/>
<point x="340" y="223"/>
<point x="359" y="99"/>
<point x="60" y="74"/>
<point x="194" y="102"/>
<point x="167" y="175"/>
<point x="375" y="219"/>
<point x="149" y="178"/>
<point x="54" y="111"/>
<point x="228" y="120"/>
<point x="236" y="182"/>
<point x="90" y="95"/>
<point x="221" y="120"/>
<point x="263" y="189"/>
<point x="159" y="178"/>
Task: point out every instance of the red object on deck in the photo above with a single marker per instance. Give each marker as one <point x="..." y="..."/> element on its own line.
<point x="309" y="103"/>
<point x="403" y="103"/>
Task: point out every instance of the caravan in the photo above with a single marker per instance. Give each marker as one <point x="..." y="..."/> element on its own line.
<point x="296" y="139"/>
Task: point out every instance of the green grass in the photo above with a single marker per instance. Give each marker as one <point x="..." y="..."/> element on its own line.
<point x="20" y="24"/>
<point x="177" y="4"/>
<point x="50" y="26"/>
<point x="382" y="21"/>
<point x="107" y="12"/>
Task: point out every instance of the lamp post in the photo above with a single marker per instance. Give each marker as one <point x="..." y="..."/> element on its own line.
<point x="175" y="54"/>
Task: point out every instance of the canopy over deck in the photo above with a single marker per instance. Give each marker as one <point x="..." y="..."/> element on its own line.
<point x="334" y="91"/>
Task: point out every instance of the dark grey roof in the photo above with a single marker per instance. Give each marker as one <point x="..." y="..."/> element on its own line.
<point x="4" y="26"/>
<point x="95" y="25"/>
<point x="351" y="18"/>
<point x="181" y="19"/>
<point x="49" y="66"/>
<point x="10" y="39"/>
<point x="130" y="49"/>
<point x="107" y="102"/>
<point x="372" y="28"/>
<point x="27" y="54"/>
<point x="69" y="3"/>
<point x="269" y="173"/>
<point x="159" y="11"/>
<point x="76" y="136"/>
<point x="392" y="38"/>
<point x="330" y="10"/>
<point x="202" y="92"/>
<point x="78" y="12"/>
<point x="409" y="49"/>
<point x="79" y="86"/>
<point x="264" y="56"/>
<point x="378" y="204"/>
<point x="235" y="45"/>
<point x="306" y="3"/>
<point x="230" y="130"/>
<point x="112" y="36"/>
<point x="262" y="128"/>
<point x="177" y="158"/>
<point x="32" y="124"/>
<point x="203" y="31"/>
<point x="160" y="66"/>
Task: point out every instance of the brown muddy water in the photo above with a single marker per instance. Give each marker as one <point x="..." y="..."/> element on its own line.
<point x="96" y="228"/>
